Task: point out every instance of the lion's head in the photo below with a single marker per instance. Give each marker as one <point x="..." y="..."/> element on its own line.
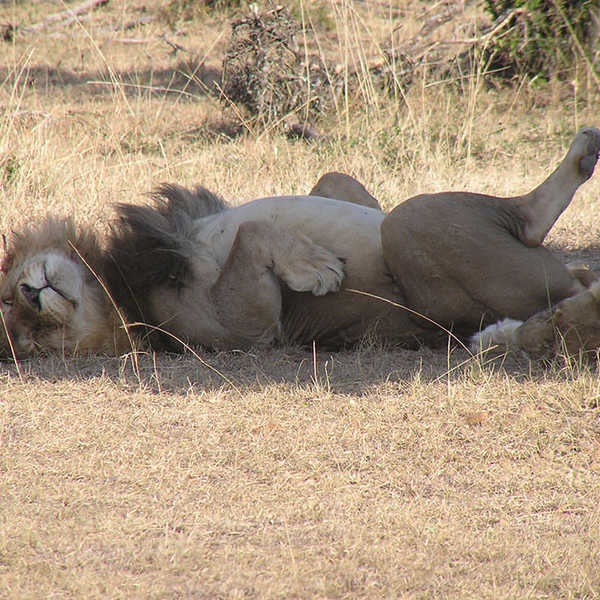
<point x="51" y="296"/>
<point x="61" y="290"/>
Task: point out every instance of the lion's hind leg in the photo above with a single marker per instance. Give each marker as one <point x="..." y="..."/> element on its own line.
<point x="571" y="326"/>
<point x="538" y="211"/>
<point x="536" y="334"/>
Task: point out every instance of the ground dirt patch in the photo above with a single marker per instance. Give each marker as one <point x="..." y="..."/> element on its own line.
<point x="369" y="473"/>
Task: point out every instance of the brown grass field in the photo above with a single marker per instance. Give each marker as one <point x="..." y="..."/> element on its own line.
<point x="287" y="473"/>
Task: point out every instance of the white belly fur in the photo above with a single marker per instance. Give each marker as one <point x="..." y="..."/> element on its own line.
<point x="351" y="231"/>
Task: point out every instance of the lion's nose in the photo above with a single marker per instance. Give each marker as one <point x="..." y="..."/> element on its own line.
<point x="32" y="295"/>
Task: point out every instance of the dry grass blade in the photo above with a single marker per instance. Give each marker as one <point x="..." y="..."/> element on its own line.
<point x="414" y="312"/>
<point x="285" y="473"/>
<point x="582" y="52"/>
<point x="12" y="348"/>
<point x="189" y="349"/>
<point x="117" y="310"/>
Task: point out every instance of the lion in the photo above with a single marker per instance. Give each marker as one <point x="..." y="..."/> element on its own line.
<point x="51" y="293"/>
<point x="568" y="328"/>
<point x="329" y="267"/>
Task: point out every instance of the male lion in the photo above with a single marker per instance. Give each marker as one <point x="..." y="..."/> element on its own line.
<point x="51" y="297"/>
<point x="299" y="268"/>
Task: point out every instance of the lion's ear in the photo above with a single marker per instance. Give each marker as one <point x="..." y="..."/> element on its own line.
<point x="7" y="262"/>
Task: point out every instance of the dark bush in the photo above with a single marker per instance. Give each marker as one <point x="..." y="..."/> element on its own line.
<point x="266" y="70"/>
<point x="541" y="37"/>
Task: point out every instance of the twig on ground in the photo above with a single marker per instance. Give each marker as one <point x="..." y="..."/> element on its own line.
<point x="145" y="20"/>
<point x="174" y="45"/>
<point x="133" y="41"/>
<point x="65" y="17"/>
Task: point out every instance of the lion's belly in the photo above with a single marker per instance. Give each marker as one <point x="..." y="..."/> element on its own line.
<point x="352" y="232"/>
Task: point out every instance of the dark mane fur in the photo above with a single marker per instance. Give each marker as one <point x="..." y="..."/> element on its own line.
<point x="150" y="246"/>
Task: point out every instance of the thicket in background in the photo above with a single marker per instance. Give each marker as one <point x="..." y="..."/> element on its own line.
<point x="544" y="37"/>
<point x="267" y="70"/>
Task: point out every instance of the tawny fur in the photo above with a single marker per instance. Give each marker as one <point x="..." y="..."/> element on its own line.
<point x="39" y="315"/>
<point x="570" y="327"/>
<point x="305" y="268"/>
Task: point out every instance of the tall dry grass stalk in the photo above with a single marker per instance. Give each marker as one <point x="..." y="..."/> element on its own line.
<point x="287" y="473"/>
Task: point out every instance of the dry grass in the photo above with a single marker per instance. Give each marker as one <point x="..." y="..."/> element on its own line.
<point x="373" y="473"/>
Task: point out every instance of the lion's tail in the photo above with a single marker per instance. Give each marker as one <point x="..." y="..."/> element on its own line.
<point x="503" y="334"/>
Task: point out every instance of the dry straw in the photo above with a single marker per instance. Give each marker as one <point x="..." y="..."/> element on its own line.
<point x="368" y="473"/>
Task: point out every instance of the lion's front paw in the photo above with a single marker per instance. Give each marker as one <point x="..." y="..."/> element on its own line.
<point x="314" y="269"/>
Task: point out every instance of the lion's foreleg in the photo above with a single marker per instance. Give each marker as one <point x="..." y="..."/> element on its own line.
<point x="247" y="294"/>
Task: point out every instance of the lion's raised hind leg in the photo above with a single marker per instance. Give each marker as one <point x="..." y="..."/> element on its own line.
<point x="540" y="208"/>
<point x="343" y="187"/>
<point x="457" y="262"/>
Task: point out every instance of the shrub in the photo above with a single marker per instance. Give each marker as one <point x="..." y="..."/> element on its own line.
<point x="542" y="37"/>
<point x="266" y="71"/>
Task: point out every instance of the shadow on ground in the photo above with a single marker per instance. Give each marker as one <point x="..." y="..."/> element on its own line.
<point x="184" y="82"/>
<point x="347" y="372"/>
<point x="182" y="79"/>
